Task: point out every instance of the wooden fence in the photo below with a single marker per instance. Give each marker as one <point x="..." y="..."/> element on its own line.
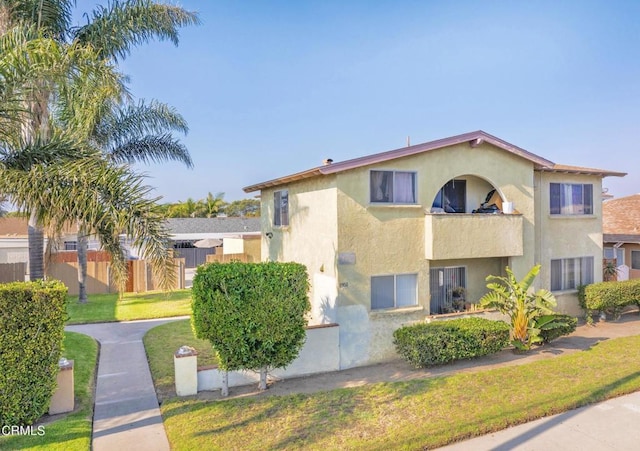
<point x="12" y="272"/>
<point x="100" y="279"/>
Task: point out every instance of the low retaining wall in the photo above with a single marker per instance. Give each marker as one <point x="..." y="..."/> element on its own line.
<point x="320" y="354"/>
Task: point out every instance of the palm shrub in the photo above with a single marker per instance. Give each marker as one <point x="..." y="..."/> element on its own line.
<point x="515" y="299"/>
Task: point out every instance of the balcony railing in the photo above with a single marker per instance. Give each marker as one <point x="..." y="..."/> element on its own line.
<point x="453" y="236"/>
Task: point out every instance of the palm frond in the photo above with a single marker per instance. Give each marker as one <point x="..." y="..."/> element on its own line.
<point x="114" y="30"/>
<point x="151" y="148"/>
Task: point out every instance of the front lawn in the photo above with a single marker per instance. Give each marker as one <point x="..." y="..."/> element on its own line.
<point x="67" y="432"/>
<point x="107" y="307"/>
<point x="412" y="415"/>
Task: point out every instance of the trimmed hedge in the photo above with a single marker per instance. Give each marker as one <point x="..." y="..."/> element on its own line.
<point x="32" y="316"/>
<point x="610" y="297"/>
<point x="254" y="314"/>
<point x="427" y="344"/>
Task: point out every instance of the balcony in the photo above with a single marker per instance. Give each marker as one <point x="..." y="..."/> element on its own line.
<point x="456" y="236"/>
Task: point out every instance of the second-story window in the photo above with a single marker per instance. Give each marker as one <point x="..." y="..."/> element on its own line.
<point x="281" y="208"/>
<point x="571" y="199"/>
<point x="395" y="187"/>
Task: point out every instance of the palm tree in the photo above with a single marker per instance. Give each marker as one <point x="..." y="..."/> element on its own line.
<point x="127" y="134"/>
<point x="211" y="206"/>
<point x="111" y="34"/>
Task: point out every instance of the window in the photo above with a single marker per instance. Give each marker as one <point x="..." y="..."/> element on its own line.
<point x="615" y="252"/>
<point x="571" y="199"/>
<point x="393" y="187"/>
<point x="281" y="208"/>
<point x="394" y="291"/>
<point x="452" y="197"/>
<point x="570" y="273"/>
<point x="635" y="259"/>
<point x="70" y="245"/>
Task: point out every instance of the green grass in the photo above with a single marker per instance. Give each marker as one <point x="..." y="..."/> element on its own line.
<point x="73" y="431"/>
<point x="407" y="415"/>
<point x="107" y="307"/>
<point x="162" y="342"/>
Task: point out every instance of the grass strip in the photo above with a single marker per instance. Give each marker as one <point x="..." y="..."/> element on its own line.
<point x="408" y="415"/>
<point x="162" y="342"/>
<point x="67" y="432"/>
<point x="150" y="305"/>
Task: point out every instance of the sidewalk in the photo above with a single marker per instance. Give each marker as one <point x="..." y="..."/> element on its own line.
<point x="126" y="415"/>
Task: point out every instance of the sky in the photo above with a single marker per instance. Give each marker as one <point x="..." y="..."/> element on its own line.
<point x="270" y="88"/>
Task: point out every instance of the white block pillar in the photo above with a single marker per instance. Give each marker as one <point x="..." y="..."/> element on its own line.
<point x="185" y="362"/>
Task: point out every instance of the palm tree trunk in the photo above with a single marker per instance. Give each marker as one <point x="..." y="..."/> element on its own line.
<point x="82" y="263"/>
<point x="36" y="249"/>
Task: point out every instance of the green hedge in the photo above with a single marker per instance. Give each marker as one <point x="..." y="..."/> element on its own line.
<point x="254" y="314"/>
<point x="32" y="316"/>
<point x="610" y="297"/>
<point x="441" y="342"/>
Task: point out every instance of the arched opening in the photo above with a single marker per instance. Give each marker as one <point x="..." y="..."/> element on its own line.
<point x="467" y="194"/>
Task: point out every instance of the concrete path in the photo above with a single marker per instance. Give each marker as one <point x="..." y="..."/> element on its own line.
<point x="126" y="415"/>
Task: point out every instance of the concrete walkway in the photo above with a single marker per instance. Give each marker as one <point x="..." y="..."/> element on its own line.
<point x="126" y="415"/>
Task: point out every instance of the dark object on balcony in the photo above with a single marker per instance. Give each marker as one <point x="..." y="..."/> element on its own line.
<point x="492" y="204"/>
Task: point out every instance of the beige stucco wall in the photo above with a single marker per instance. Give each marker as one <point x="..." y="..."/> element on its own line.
<point x="311" y="239"/>
<point x="390" y="239"/>
<point x="567" y="236"/>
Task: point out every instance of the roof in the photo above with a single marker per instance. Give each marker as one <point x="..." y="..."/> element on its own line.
<point x="16" y="226"/>
<point x="621" y="219"/>
<point x="213" y="225"/>
<point x="473" y="138"/>
<point x="13" y="226"/>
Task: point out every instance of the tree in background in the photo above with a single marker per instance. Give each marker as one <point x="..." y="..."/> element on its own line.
<point x="212" y="207"/>
<point x="110" y="35"/>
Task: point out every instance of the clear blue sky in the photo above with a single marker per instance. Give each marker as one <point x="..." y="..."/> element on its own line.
<point x="270" y="88"/>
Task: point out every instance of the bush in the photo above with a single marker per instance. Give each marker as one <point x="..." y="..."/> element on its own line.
<point x="612" y="297"/>
<point x="32" y="316"/>
<point x="441" y="342"/>
<point x="252" y="313"/>
<point x="555" y="326"/>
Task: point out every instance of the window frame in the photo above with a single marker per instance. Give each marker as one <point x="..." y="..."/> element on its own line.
<point x="558" y="205"/>
<point x="393" y="201"/>
<point x="281" y="208"/>
<point x="632" y="265"/>
<point x="577" y="270"/>
<point x="395" y="292"/>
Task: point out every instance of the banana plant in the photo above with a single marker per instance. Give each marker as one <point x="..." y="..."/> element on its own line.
<point x="517" y="300"/>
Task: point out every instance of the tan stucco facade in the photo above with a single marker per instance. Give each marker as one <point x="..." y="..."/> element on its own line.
<point x="345" y="240"/>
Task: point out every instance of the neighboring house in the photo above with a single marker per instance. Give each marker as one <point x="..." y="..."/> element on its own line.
<point x="389" y="238"/>
<point x="230" y="231"/>
<point x="14" y="243"/>
<point x="621" y="234"/>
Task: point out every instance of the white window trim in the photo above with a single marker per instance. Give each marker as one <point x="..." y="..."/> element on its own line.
<point x="395" y="308"/>
<point x="394" y="204"/>
<point x="571" y="290"/>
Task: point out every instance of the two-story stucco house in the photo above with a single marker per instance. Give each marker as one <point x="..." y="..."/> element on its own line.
<point x="388" y="238"/>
